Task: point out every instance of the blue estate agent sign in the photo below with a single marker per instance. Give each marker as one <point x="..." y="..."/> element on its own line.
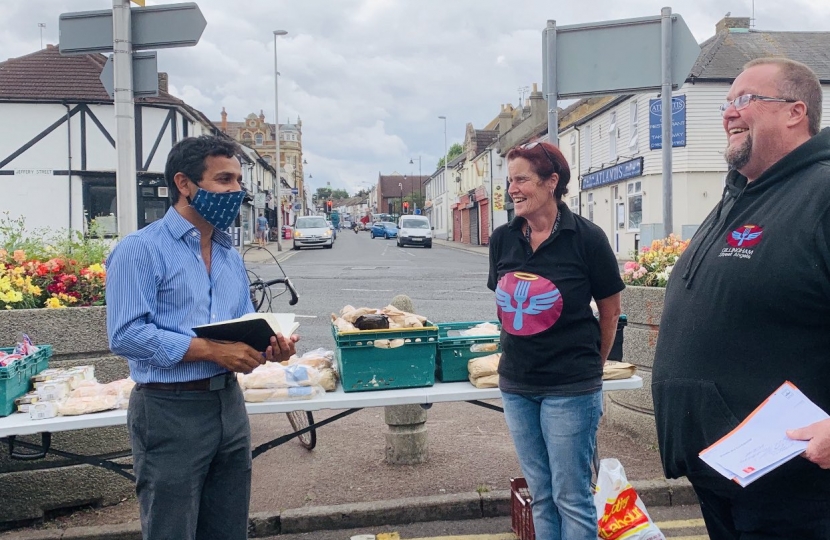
<point x="617" y="173"/>
<point x="678" y="122"/>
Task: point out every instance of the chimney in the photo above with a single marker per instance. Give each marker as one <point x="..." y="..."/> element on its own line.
<point x="538" y="108"/>
<point x="505" y="121"/>
<point x="224" y="121"/>
<point x="163" y="81"/>
<point x="728" y="23"/>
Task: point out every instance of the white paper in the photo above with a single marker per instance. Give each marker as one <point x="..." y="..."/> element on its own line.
<point x="760" y="443"/>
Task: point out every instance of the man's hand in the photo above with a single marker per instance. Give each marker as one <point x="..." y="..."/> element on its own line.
<point x="281" y="349"/>
<point x="818" y="449"/>
<point x="232" y="355"/>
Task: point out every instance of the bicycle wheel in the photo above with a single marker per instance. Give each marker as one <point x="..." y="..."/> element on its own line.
<point x="300" y="420"/>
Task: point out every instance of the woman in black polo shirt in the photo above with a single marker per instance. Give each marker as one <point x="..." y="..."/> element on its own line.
<point x="545" y="266"/>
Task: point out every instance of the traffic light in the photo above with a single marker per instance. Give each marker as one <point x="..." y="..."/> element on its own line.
<point x="406" y="207"/>
<point x="328" y="206"/>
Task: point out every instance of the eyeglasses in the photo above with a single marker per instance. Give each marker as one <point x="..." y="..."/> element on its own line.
<point x="534" y="144"/>
<point x="742" y="102"/>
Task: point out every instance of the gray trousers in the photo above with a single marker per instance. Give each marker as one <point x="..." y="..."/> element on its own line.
<point x="192" y="461"/>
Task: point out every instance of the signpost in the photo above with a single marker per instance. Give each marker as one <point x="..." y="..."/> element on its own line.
<point x="123" y="31"/>
<point x="620" y="57"/>
<point x="145" y="75"/>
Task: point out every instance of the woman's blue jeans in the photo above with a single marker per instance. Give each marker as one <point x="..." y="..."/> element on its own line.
<point x="555" y="439"/>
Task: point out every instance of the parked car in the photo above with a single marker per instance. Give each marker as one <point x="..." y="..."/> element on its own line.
<point x="312" y="231"/>
<point x="414" y="231"/>
<point x="333" y="229"/>
<point x="346" y="224"/>
<point x="384" y="229"/>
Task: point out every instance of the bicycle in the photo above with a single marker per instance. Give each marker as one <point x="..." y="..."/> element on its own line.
<point x="262" y="298"/>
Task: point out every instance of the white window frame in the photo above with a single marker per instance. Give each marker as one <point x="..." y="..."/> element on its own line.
<point x="573" y="149"/>
<point x="633" y="142"/>
<point x="574" y="206"/>
<point x="258" y="138"/>
<point x="612" y="136"/>
<point x="634" y="189"/>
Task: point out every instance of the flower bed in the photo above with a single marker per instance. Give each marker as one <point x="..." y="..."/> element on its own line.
<point x="654" y="264"/>
<point x="44" y="269"/>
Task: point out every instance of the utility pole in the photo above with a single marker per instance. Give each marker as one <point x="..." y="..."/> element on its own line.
<point x="125" y="174"/>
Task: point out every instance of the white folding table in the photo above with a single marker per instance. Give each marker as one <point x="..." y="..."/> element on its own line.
<point x="349" y="402"/>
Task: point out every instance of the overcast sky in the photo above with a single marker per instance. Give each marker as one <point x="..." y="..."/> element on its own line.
<point x="369" y="78"/>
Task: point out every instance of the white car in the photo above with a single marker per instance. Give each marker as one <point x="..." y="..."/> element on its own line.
<point x="414" y="231"/>
<point x="310" y="231"/>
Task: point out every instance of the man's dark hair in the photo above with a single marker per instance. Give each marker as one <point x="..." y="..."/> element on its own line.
<point x="188" y="157"/>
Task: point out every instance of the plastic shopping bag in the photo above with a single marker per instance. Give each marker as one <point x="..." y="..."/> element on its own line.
<point x="622" y="514"/>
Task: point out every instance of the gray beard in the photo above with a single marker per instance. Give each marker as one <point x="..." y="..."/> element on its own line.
<point x="737" y="158"/>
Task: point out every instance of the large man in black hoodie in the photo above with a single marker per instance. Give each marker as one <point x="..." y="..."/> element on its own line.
<point x="748" y="308"/>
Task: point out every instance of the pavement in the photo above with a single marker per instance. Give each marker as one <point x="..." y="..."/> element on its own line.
<point x="344" y="483"/>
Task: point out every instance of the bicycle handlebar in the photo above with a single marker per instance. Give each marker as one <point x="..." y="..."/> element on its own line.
<point x="291" y="290"/>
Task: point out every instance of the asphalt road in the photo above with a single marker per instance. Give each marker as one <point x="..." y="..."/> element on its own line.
<point x="444" y="284"/>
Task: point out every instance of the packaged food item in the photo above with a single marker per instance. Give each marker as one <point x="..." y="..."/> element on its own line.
<point x="482" y="329"/>
<point x="279" y="376"/>
<point x="372" y="322"/>
<point x="617" y="370"/>
<point x="341" y="324"/>
<point x="74" y="406"/>
<point x="8" y="359"/>
<point x="487" y="381"/>
<point x="43" y="410"/>
<point x="259" y="395"/>
<point x="53" y="390"/>
<point x="484" y="366"/>
<point x="328" y="379"/>
<point x="389" y="343"/>
<point x="484" y="347"/>
<point x="25" y="347"/>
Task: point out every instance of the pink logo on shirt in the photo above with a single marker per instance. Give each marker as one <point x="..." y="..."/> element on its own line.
<point x="527" y="303"/>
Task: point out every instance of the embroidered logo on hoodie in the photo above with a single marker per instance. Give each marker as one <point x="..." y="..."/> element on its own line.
<point x="740" y="240"/>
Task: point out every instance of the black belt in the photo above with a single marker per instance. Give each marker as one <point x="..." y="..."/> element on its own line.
<point x="217" y="382"/>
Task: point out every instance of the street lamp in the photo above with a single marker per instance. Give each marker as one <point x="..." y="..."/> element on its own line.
<point x="420" y="180"/>
<point x="277" y="127"/>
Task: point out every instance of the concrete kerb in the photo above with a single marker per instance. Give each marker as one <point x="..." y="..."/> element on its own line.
<point x="452" y="507"/>
<point x="480" y="250"/>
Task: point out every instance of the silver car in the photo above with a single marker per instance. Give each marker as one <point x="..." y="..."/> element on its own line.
<point x="312" y="231"/>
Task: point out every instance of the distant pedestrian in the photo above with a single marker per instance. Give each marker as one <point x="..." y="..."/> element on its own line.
<point x="262" y="230"/>
<point x="188" y="427"/>
<point x="747" y="308"/>
<point x="545" y="267"/>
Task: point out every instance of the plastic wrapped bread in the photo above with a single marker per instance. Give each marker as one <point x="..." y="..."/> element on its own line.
<point x="484" y="366"/>
<point x="488" y="381"/>
<point x="278" y="376"/>
<point x="483" y="329"/>
<point x="617" y="370"/>
<point x="342" y="324"/>
<point x="74" y="406"/>
<point x="259" y="395"/>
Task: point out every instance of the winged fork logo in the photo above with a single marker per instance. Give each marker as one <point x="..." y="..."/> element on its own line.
<point x="741" y="240"/>
<point x="527" y="303"/>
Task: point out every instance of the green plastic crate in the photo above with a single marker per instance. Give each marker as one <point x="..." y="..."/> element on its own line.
<point x="363" y="367"/>
<point x="15" y="380"/>
<point x="454" y="351"/>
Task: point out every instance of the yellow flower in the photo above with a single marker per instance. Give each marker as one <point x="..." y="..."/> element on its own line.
<point x="66" y="298"/>
<point x="97" y="268"/>
<point x="54" y="303"/>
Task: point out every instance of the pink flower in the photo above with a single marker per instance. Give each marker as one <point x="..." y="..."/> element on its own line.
<point x="630" y="266"/>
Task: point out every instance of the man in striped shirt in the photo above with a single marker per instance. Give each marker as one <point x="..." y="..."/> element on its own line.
<point x="187" y="421"/>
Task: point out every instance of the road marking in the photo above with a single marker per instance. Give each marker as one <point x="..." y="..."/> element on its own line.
<point x="681" y="524"/>
<point x="402" y="250"/>
<point x="306" y="316"/>
<point x="368" y="290"/>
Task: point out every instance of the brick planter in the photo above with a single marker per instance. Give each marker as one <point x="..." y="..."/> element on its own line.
<point x="28" y="488"/>
<point x="633" y="410"/>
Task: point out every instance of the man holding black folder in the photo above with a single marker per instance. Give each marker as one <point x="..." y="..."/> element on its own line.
<point x="187" y="420"/>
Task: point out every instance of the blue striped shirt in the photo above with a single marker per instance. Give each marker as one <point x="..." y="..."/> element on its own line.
<point x="158" y="289"/>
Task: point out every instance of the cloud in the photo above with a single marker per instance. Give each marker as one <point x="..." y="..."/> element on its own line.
<point x="369" y="78"/>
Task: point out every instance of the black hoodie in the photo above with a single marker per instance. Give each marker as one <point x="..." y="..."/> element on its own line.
<point x="747" y="308"/>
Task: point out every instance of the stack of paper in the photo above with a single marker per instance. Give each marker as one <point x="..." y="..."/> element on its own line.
<point x="760" y="443"/>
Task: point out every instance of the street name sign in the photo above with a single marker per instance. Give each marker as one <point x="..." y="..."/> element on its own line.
<point x="152" y="27"/>
<point x="145" y="75"/>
